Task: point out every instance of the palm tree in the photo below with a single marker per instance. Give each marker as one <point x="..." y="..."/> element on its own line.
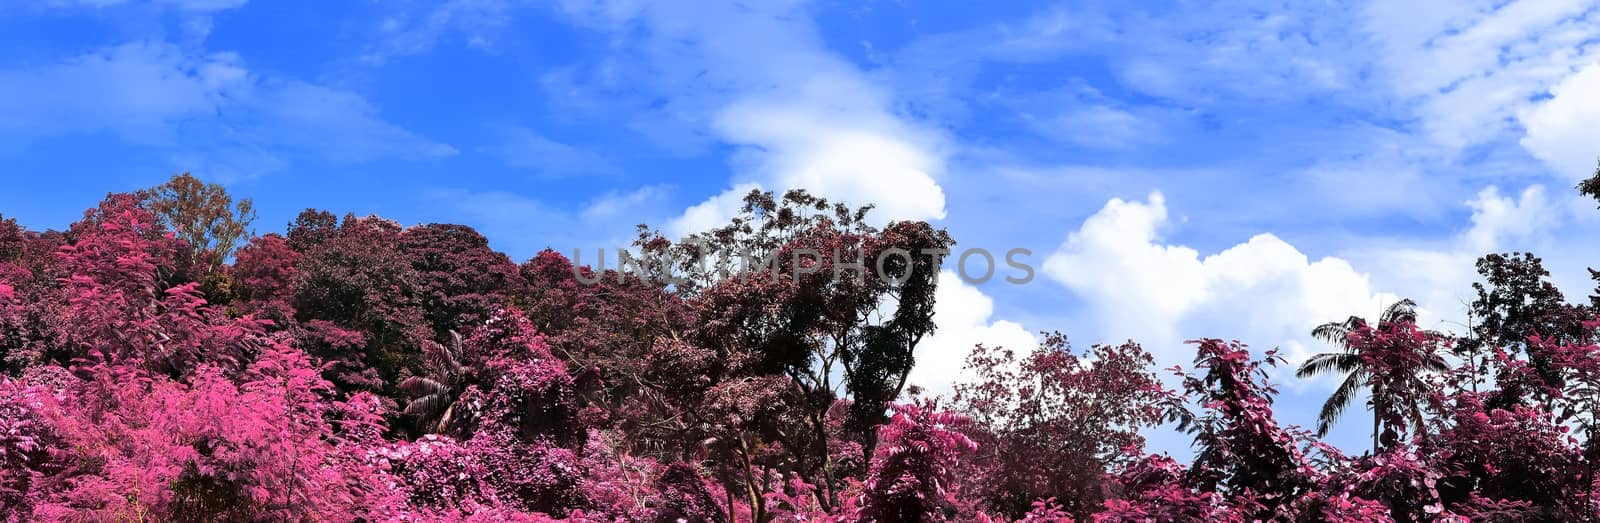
<point x="434" y="396"/>
<point x="1349" y="361"/>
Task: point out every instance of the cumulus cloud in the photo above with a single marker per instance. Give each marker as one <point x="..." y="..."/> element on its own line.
<point x="965" y="316"/>
<point x="1439" y="276"/>
<point x="1497" y="220"/>
<point x="711" y="213"/>
<point x="796" y="145"/>
<point x="1264" y="292"/>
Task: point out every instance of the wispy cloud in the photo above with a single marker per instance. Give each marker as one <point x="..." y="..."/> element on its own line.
<point x="206" y="108"/>
<point x="1472" y="66"/>
<point x="522" y="225"/>
<point x="414" y="29"/>
<point x="1079" y="114"/>
<point x="186" y="5"/>
<point x="525" y="148"/>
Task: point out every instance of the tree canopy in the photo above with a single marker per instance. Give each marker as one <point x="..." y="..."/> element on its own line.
<point x="157" y="362"/>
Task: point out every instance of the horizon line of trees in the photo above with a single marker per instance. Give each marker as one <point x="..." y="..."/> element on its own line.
<point x="161" y="362"/>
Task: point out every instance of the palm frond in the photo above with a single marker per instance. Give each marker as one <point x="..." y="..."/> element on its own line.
<point x="1435" y="363"/>
<point x="452" y="356"/>
<point x="1403" y="311"/>
<point x="1334" y="332"/>
<point x="422" y="386"/>
<point x="427" y="405"/>
<point x="445" y="420"/>
<point x="444" y="360"/>
<point x="1340" y="400"/>
<point x="1328" y="362"/>
<point x="435" y="355"/>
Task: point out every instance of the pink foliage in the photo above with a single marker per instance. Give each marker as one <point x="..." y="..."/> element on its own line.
<point x="145" y="446"/>
<point x="1241" y="450"/>
<point x="1038" y="444"/>
<point x="306" y="387"/>
<point x="1399" y="354"/>
<point x="26" y="437"/>
<point x="912" y="477"/>
<point x="1155" y="489"/>
<point x="263" y="277"/>
<point x="118" y="309"/>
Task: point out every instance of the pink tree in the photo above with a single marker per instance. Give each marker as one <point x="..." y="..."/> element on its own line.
<point x="1241" y="451"/>
<point x="263" y="276"/>
<point x="1051" y="424"/>
<point x="912" y="477"/>
<point x="142" y="446"/>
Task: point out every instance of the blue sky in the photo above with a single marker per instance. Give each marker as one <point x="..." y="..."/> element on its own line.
<point x="1179" y="169"/>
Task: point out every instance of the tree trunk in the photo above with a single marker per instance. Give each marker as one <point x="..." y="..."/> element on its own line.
<point x="1376" y="424"/>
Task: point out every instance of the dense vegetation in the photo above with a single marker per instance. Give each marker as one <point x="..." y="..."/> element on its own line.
<point x="162" y="365"/>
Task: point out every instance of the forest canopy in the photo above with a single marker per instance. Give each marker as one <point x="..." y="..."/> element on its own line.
<point x="162" y="362"/>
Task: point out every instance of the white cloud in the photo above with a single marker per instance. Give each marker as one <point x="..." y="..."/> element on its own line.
<point x="1472" y="66"/>
<point x="964" y="315"/>
<point x="614" y="206"/>
<point x="1439" y="275"/>
<point x="1079" y="114"/>
<point x="1564" y="130"/>
<point x="154" y="86"/>
<point x="711" y="213"/>
<point x="1093" y="126"/>
<point x="1264" y="292"/>
<point x="340" y="126"/>
<point x="759" y="77"/>
<point x="838" y="154"/>
<point x="1497" y="219"/>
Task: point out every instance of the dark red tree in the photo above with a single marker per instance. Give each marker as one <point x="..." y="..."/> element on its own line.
<point x="460" y="280"/>
<point x="356" y="278"/>
<point x="1052" y="423"/>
